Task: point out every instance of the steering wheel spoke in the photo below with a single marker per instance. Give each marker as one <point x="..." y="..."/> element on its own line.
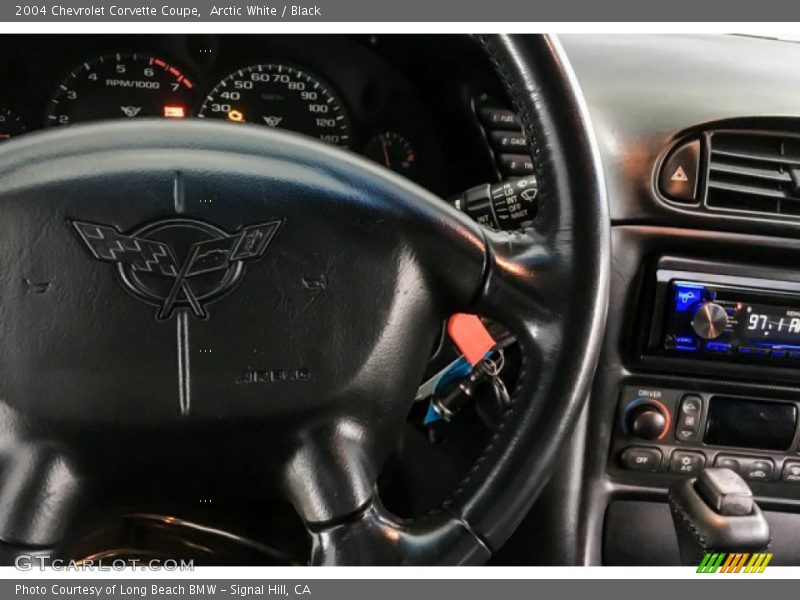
<point x="39" y="494"/>
<point x="523" y="271"/>
<point x="332" y="472"/>
<point x="331" y="481"/>
<point x="373" y="536"/>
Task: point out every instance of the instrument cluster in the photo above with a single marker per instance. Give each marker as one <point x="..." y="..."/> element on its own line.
<point x="332" y="88"/>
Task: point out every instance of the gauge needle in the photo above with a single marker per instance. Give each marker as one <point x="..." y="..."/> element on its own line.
<point x="386" y="152"/>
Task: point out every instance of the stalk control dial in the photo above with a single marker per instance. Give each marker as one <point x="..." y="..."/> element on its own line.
<point x="505" y="205"/>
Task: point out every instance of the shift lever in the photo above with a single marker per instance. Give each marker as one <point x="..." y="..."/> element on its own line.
<point x="715" y="512"/>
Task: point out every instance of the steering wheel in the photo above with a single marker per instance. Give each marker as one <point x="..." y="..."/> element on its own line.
<point x="183" y="301"/>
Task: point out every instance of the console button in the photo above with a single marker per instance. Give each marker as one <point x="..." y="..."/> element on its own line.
<point x="691" y="404"/>
<point x="678" y="179"/>
<point x="756" y="469"/>
<point x="689" y="415"/>
<point x="500" y="118"/>
<point x="686" y="435"/>
<point x="515" y="164"/>
<point x="727" y="462"/>
<point x="508" y="141"/>
<point x="687" y="463"/>
<point x="640" y="458"/>
<point x="791" y="471"/>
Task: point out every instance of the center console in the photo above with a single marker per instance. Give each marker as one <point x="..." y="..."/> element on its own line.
<point x="719" y="319"/>
<point x="701" y="368"/>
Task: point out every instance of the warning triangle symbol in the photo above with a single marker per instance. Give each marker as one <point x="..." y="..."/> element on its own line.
<point x="679" y="175"/>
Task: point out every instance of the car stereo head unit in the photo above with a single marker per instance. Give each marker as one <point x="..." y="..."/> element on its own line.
<point x="727" y="318"/>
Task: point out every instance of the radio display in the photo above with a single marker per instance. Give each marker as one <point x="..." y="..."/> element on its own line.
<point x="773" y="325"/>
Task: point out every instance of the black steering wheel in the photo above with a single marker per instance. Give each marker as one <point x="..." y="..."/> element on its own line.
<point x="173" y="292"/>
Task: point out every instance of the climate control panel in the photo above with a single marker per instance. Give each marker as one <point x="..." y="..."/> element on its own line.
<point x="664" y="431"/>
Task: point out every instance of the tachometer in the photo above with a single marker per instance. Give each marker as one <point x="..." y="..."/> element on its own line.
<point x="280" y="96"/>
<point x="120" y="86"/>
<point x="11" y="124"/>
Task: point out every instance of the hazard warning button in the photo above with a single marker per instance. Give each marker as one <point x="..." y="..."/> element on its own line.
<point x="678" y="178"/>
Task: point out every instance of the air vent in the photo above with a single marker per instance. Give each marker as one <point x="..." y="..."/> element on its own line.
<point x="754" y="172"/>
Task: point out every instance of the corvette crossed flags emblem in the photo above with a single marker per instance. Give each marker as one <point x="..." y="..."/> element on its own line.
<point x="142" y="254"/>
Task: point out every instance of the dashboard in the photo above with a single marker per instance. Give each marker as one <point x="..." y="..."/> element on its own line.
<point x="700" y="360"/>
<point x="699" y="366"/>
<point x="392" y="99"/>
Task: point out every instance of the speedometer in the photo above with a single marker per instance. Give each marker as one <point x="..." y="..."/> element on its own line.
<point x="281" y="96"/>
<point x="121" y="86"/>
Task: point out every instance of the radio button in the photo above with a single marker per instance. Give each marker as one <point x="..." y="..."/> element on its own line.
<point x="639" y="458"/>
<point x="686" y="463"/>
<point x="710" y="321"/>
<point x="753" y="351"/>
<point x="720" y="347"/>
<point x="757" y="469"/>
<point x="791" y="471"/>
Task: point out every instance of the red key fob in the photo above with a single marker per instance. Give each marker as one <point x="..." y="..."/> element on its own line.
<point x="470" y="336"/>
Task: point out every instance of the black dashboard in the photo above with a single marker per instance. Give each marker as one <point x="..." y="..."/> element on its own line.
<point x="406" y="102"/>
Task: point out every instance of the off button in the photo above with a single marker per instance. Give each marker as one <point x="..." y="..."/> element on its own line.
<point x="678" y="178"/>
<point x="641" y="458"/>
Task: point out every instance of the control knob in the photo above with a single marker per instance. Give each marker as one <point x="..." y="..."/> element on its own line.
<point x="647" y="421"/>
<point x="507" y="205"/>
<point x="710" y="321"/>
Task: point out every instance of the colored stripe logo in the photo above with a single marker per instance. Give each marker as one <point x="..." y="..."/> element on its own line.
<point x="744" y="562"/>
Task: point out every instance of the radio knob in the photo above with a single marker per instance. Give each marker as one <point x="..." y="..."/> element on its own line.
<point x="648" y="421"/>
<point x="710" y="321"/>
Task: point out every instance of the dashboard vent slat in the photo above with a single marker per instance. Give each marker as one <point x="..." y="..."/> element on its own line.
<point x="743" y="189"/>
<point x="754" y="172"/>
<point x="746" y="171"/>
<point x="756" y="156"/>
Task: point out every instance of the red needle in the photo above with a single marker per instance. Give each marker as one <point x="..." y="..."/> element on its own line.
<point x="385" y="152"/>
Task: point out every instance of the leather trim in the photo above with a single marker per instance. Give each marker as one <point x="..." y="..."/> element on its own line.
<point x="512" y="470"/>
